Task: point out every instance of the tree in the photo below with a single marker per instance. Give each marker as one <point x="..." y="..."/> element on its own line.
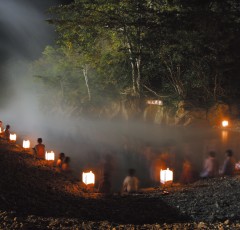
<point x="127" y="20"/>
<point x="175" y="49"/>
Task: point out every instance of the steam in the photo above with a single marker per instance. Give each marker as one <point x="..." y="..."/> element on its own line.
<point x="87" y="142"/>
<point x="23" y="28"/>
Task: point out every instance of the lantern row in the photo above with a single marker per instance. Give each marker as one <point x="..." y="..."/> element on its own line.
<point x="88" y="178"/>
<point x="49" y="156"/>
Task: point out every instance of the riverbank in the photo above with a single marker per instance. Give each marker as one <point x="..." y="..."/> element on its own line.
<point x="34" y="195"/>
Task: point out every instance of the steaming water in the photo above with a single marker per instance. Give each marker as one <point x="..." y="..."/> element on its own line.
<point x="88" y="142"/>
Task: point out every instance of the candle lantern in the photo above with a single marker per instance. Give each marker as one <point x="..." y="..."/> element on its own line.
<point x="26" y="144"/>
<point x="88" y="178"/>
<point x="166" y="176"/>
<point x="225" y="123"/>
<point x="13" y="137"/>
<point x="50" y="156"/>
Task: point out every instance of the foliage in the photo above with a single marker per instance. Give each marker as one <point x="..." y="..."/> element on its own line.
<point x="172" y="50"/>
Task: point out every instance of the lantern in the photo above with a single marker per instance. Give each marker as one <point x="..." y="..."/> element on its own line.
<point x="0" y="130"/>
<point x="237" y="166"/>
<point x="26" y="144"/>
<point x="50" y="156"/>
<point x="88" y="178"/>
<point x="13" y="137"/>
<point x="166" y="176"/>
<point x="224" y="123"/>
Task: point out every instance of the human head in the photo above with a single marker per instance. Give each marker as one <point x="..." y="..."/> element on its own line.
<point x="67" y="160"/>
<point x="61" y="155"/>
<point x="7" y="126"/>
<point x="131" y="172"/>
<point x="39" y="140"/>
<point x="229" y="152"/>
<point x="212" y="154"/>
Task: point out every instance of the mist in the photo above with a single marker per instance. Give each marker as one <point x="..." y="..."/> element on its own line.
<point x="24" y="34"/>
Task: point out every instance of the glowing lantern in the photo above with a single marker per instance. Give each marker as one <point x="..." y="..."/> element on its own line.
<point x="166" y="176"/>
<point x="0" y="130"/>
<point x="13" y="137"/>
<point x="26" y="144"/>
<point x="50" y="156"/>
<point x="224" y="123"/>
<point x="154" y="102"/>
<point x="88" y="178"/>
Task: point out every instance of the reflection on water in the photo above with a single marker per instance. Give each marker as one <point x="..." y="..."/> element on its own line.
<point x="224" y="136"/>
<point x="146" y="148"/>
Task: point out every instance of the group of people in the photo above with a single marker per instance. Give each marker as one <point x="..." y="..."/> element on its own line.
<point x="106" y="168"/>
<point x="131" y="182"/>
<point x="211" y="167"/>
<point x="62" y="163"/>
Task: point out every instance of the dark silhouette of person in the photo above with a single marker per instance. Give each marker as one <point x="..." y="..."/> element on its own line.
<point x="60" y="160"/>
<point x="7" y="133"/>
<point x="186" y="176"/>
<point x="39" y="149"/>
<point x="210" y="168"/>
<point x="66" y="165"/>
<point x="131" y="182"/>
<point x="1" y="127"/>
<point x="105" y="184"/>
<point x="228" y="167"/>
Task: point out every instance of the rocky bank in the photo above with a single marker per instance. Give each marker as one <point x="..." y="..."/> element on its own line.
<point x="34" y="195"/>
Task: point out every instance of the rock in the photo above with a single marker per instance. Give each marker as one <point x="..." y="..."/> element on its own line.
<point x="226" y="222"/>
<point x="202" y="225"/>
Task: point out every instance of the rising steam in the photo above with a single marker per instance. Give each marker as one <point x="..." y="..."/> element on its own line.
<point x="23" y="37"/>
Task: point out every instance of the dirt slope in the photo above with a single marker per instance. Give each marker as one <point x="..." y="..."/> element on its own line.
<point x="34" y="195"/>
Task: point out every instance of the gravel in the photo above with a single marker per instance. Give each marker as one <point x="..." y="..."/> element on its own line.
<point x="34" y="195"/>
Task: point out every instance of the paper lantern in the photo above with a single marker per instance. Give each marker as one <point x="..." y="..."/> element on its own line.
<point x="88" y="178"/>
<point x="13" y="137"/>
<point x="166" y="176"/>
<point x="50" y="156"/>
<point x="237" y="166"/>
<point x="26" y="144"/>
<point x="225" y="123"/>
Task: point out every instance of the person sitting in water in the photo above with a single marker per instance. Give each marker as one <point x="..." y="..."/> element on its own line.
<point x="39" y="149"/>
<point x="105" y="184"/>
<point x="187" y="171"/>
<point x="7" y="133"/>
<point x="131" y="182"/>
<point x="60" y="161"/>
<point x="210" y="168"/>
<point x="1" y="127"/>
<point x="66" y="165"/>
<point x="228" y="168"/>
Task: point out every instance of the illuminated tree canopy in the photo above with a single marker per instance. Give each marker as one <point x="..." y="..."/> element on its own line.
<point x="176" y="50"/>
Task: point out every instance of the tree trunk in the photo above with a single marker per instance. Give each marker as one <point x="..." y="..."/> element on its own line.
<point x="139" y="84"/>
<point x="85" y="74"/>
<point x="134" y="82"/>
<point x="136" y="76"/>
